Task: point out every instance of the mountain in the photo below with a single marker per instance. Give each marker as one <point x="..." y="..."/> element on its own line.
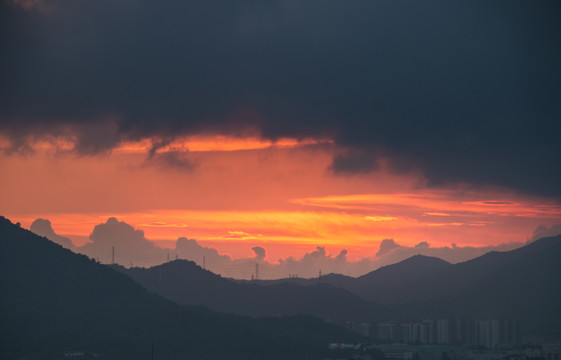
<point x="185" y="282"/>
<point x="54" y="301"/>
<point x="403" y="282"/>
<point x="521" y="284"/>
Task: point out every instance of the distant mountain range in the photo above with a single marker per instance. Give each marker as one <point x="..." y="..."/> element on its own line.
<point x="54" y="300"/>
<point x="521" y="284"/>
<point x="185" y="282"/>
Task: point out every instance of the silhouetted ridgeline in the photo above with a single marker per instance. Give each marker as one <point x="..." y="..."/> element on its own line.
<point x="186" y="283"/>
<point x="522" y="284"/>
<point x="54" y="301"/>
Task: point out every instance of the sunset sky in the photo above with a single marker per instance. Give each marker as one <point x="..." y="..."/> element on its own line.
<point x="286" y="125"/>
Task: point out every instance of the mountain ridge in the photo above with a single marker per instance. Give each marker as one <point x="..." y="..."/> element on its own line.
<point x="55" y="300"/>
<point x="416" y="288"/>
<point x="186" y="283"/>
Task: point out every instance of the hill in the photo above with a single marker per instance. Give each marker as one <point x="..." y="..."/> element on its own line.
<point x="521" y="284"/>
<point x="54" y="301"/>
<point x="403" y="282"/>
<point x="186" y="283"/>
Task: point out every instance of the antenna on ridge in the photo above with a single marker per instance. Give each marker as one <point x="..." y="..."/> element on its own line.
<point x="113" y="255"/>
<point x="256" y="271"/>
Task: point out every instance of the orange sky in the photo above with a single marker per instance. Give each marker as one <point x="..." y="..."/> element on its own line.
<point x="237" y="193"/>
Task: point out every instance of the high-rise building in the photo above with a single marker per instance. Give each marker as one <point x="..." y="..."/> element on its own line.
<point x="443" y="331"/>
<point x="430" y="332"/>
<point x="508" y="332"/>
<point x="385" y="331"/>
<point x="487" y="333"/>
<point x="552" y="350"/>
<point x="365" y="329"/>
<point x="407" y="330"/>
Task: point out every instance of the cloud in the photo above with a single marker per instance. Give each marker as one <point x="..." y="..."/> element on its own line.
<point x="372" y="76"/>
<point x="190" y="249"/>
<point x="354" y="161"/>
<point x="131" y="246"/>
<point x="543" y="231"/>
<point x="44" y="228"/>
<point x="342" y="257"/>
<point x="260" y="253"/>
<point x="178" y="160"/>
<point x="314" y="262"/>
<point x="41" y="5"/>
<point x="390" y="252"/>
<point x="173" y="158"/>
<point x="386" y="246"/>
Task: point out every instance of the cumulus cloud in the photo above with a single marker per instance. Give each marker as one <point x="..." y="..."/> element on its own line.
<point x="314" y="262"/>
<point x="386" y="246"/>
<point x="44" y="228"/>
<point x="342" y="257"/>
<point x="260" y="253"/>
<point x="190" y="249"/>
<point x="131" y="246"/>
<point x="543" y="231"/>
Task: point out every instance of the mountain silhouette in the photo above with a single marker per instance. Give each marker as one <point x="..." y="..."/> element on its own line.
<point x="186" y="283"/>
<point x="54" y="301"/>
<point x="521" y="284"/>
<point x="403" y="282"/>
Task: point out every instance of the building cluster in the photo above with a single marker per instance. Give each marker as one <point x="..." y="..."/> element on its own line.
<point x="549" y="350"/>
<point x="552" y="350"/>
<point x="485" y="333"/>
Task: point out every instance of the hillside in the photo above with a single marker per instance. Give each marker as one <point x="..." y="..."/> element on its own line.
<point x="403" y="282"/>
<point x="186" y="283"/>
<point x="521" y="284"/>
<point x="54" y="301"/>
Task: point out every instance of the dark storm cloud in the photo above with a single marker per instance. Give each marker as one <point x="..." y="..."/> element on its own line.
<point x="354" y="161"/>
<point x="463" y="91"/>
<point x="177" y="160"/>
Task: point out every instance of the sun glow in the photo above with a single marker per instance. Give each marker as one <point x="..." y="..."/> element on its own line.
<point x="250" y="191"/>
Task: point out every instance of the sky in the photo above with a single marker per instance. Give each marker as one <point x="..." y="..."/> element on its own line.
<point x="288" y="126"/>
